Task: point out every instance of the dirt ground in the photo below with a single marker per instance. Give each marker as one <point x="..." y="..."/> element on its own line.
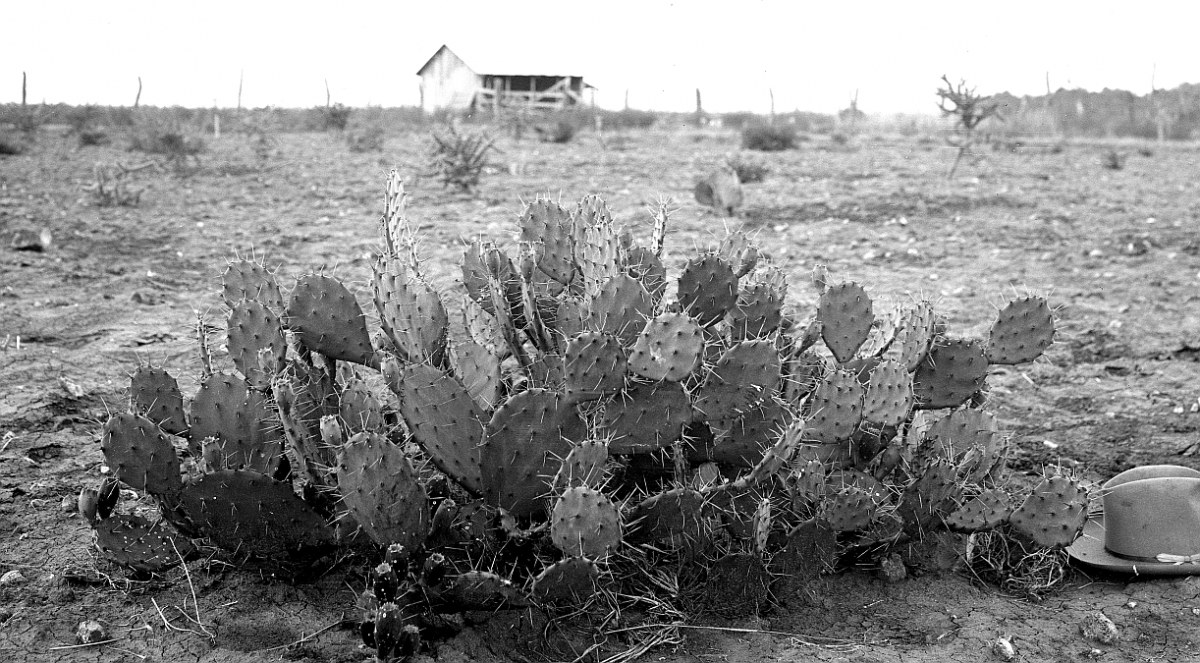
<point x="1117" y="252"/>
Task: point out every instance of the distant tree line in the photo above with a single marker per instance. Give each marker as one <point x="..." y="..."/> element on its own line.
<point x="1165" y="114"/>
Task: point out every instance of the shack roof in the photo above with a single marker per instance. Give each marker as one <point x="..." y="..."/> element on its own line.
<point x="510" y="62"/>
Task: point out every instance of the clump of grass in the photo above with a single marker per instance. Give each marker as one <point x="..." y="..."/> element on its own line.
<point x="769" y="137"/>
<point x="560" y="128"/>
<point x="336" y="117"/>
<point x="11" y="145"/>
<point x="93" y="137"/>
<point x="628" y="119"/>
<point x="459" y="158"/>
<point x="110" y="187"/>
<point x="1017" y="566"/>
<point x="748" y="171"/>
<point x="366" y="138"/>
<point x="1113" y="160"/>
<point x="168" y="139"/>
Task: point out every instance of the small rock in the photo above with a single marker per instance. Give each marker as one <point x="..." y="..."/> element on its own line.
<point x="1097" y="626"/>
<point x="1003" y="649"/>
<point x="90" y="631"/>
<point x="13" y="577"/>
<point x="69" y="504"/>
<point x="891" y="569"/>
<point x="31" y="240"/>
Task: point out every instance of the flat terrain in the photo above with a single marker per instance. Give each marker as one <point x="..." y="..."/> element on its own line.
<point x="1116" y="251"/>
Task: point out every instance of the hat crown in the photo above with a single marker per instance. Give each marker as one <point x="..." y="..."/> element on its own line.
<point x="1152" y="510"/>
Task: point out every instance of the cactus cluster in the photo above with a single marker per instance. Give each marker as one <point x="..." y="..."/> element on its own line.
<point x="588" y="405"/>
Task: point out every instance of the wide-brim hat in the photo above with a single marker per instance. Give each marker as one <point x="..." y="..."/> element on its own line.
<point x="1150" y="525"/>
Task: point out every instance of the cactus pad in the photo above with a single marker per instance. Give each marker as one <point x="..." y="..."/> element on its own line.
<point x="585" y="523"/>
<point x="411" y="314"/>
<point x="621" y="307"/>
<point x="647" y="417"/>
<point x="984" y="511"/>
<point x="914" y="335"/>
<point x="643" y="265"/>
<point x="889" y="396"/>
<point x="933" y="494"/>
<point x="848" y="510"/>
<point x="743" y="376"/>
<point x="245" y="512"/>
<point x="1054" y="513"/>
<point x="834" y="409"/>
<point x="141" y="455"/>
<point x="250" y="280"/>
<point x="571" y="579"/>
<point x="481" y="590"/>
<point x="952" y="372"/>
<point x="676" y="515"/>
<point x="669" y="348"/>
<point x="846" y="316"/>
<point x="382" y="492"/>
<point x="358" y="407"/>
<point x="478" y="368"/>
<point x="598" y="249"/>
<point x="595" y="366"/>
<point x="524" y="443"/>
<point x="585" y="465"/>
<point x="707" y="289"/>
<point x="155" y="394"/>
<point x="742" y="441"/>
<point x="443" y="419"/>
<point x="136" y="544"/>
<point x="759" y="312"/>
<point x="328" y="319"/>
<point x="971" y="438"/>
<point x="240" y="418"/>
<point x="1022" y="331"/>
<point x="254" y="329"/>
<point x="550" y="227"/>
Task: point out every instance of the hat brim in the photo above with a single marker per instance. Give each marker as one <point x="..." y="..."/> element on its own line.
<point x="1088" y="550"/>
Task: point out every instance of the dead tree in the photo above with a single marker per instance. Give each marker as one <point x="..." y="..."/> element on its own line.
<point x="969" y="110"/>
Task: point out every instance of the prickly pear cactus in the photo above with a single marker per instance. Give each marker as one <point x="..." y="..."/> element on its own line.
<point x="585" y="391"/>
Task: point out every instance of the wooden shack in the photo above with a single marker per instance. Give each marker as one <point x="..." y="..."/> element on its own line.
<point x="449" y="82"/>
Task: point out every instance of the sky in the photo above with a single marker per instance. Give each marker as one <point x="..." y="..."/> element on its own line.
<point x="811" y="56"/>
